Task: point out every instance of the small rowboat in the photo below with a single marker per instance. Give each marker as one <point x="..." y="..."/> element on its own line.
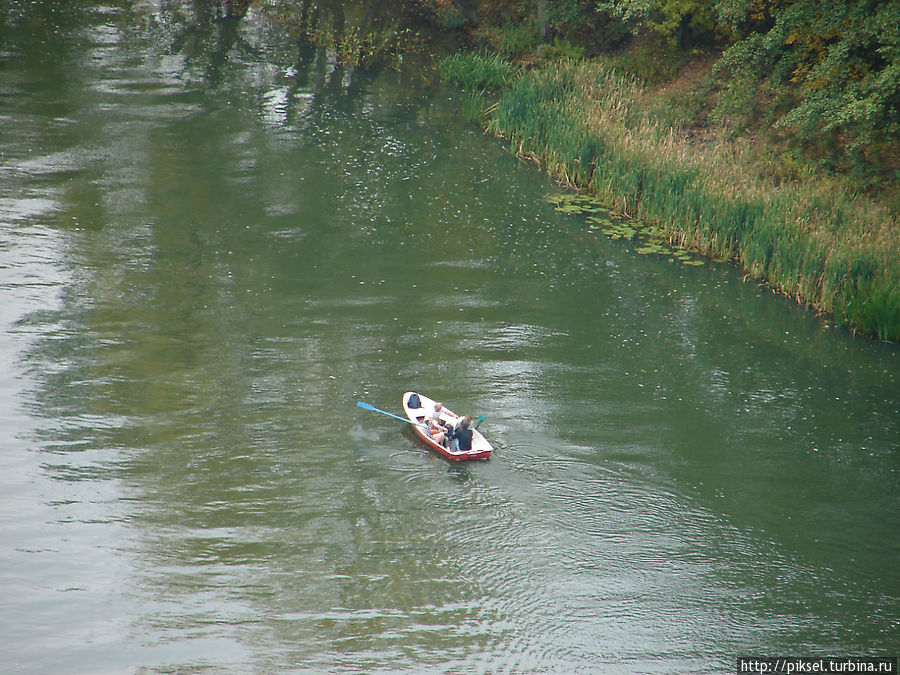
<point x="481" y="449"/>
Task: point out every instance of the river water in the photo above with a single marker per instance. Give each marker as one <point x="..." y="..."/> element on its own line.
<point x="213" y="243"/>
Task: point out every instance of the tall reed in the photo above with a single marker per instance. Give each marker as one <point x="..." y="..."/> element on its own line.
<point x="809" y="238"/>
<point x="478" y="70"/>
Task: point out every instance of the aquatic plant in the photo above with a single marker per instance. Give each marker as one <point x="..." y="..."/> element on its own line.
<point x="473" y="106"/>
<point x="478" y="70"/>
<point x="649" y="239"/>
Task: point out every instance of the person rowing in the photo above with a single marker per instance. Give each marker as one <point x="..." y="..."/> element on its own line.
<point x="462" y="434"/>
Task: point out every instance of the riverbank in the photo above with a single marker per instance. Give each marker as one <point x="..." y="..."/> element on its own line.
<point x="809" y="236"/>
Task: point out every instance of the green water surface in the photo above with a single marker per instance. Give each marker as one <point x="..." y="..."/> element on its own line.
<point x="214" y="242"/>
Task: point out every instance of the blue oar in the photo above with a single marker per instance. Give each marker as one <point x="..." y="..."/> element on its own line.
<point x="374" y="409"/>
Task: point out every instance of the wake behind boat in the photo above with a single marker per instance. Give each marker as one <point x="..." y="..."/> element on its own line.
<point x="419" y="414"/>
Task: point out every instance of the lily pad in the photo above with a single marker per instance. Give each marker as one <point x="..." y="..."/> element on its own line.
<point x="651" y="238"/>
<point x="569" y="208"/>
<point x="576" y="203"/>
<point x="593" y="208"/>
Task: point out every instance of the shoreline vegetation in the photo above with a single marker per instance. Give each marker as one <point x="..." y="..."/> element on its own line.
<point x="642" y="125"/>
<point x="810" y="237"/>
<point x="764" y="132"/>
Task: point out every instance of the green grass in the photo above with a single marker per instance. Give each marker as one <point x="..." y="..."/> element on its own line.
<point x="809" y="237"/>
<point x="478" y="71"/>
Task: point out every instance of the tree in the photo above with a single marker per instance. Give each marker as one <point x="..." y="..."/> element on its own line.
<point x="825" y="67"/>
<point x="681" y="21"/>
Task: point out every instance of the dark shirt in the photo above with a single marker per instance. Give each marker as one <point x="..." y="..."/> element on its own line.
<point x="463" y="437"/>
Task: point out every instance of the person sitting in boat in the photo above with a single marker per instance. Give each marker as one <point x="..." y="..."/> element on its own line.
<point x="462" y="434"/>
<point x="438" y="415"/>
<point x="438" y="429"/>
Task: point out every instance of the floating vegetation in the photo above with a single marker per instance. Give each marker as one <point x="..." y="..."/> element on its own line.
<point x="613" y="229"/>
<point x="577" y="203"/>
<point x="652" y="239"/>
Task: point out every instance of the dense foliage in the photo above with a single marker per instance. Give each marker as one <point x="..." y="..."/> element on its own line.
<point x="829" y="68"/>
<point x="824" y="74"/>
